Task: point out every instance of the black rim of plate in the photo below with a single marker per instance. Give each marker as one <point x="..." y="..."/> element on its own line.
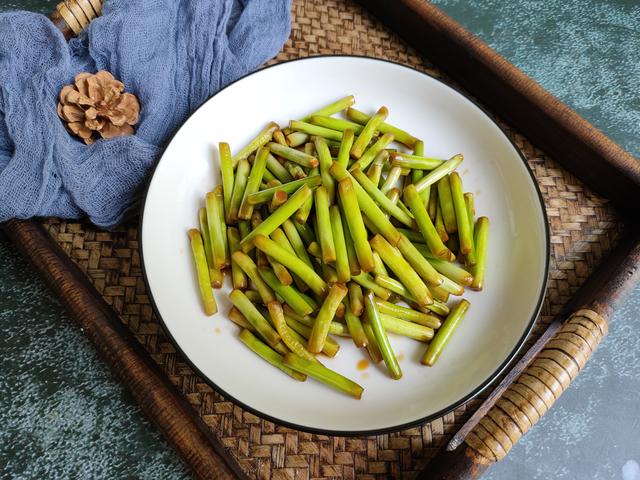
<point x="350" y="433"/>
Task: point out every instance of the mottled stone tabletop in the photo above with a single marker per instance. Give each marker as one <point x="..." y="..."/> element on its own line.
<point x="63" y="415"/>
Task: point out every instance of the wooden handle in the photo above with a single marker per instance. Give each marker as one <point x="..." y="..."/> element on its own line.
<point x="73" y="16"/>
<point x="149" y="386"/>
<point x="524" y="402"/>
<point x="544" y="372"/>
<point x="537" y="388"/>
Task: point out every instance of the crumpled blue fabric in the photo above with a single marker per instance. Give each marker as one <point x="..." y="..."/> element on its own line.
<point x="172" y="54"/>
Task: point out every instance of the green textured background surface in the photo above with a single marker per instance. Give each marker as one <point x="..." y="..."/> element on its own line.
<point x="64" y="416"/>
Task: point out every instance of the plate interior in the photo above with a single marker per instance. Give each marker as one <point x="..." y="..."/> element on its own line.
<point x="449" y="123"/>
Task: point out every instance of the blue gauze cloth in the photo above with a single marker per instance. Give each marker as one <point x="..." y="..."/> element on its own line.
<point x="172" y="54"/>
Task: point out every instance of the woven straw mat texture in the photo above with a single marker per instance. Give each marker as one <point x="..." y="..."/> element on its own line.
<point x="583" y="229"/>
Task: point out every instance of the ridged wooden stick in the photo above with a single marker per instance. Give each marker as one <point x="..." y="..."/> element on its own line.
<point x="544" y="371"/>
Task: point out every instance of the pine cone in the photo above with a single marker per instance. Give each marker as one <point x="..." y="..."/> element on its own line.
<point x="96" y="104"/>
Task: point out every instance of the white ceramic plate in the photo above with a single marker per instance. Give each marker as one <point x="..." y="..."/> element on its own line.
<point x="498" y="321"/>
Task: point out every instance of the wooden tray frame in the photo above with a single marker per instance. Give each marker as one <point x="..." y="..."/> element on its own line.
<point x="496" y="426"/>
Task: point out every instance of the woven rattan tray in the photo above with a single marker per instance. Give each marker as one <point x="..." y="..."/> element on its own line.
<point x="204" y="426"/>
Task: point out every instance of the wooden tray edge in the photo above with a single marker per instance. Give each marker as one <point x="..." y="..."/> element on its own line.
<point x="159" y="399"/>
<point x="504" y="89"/>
